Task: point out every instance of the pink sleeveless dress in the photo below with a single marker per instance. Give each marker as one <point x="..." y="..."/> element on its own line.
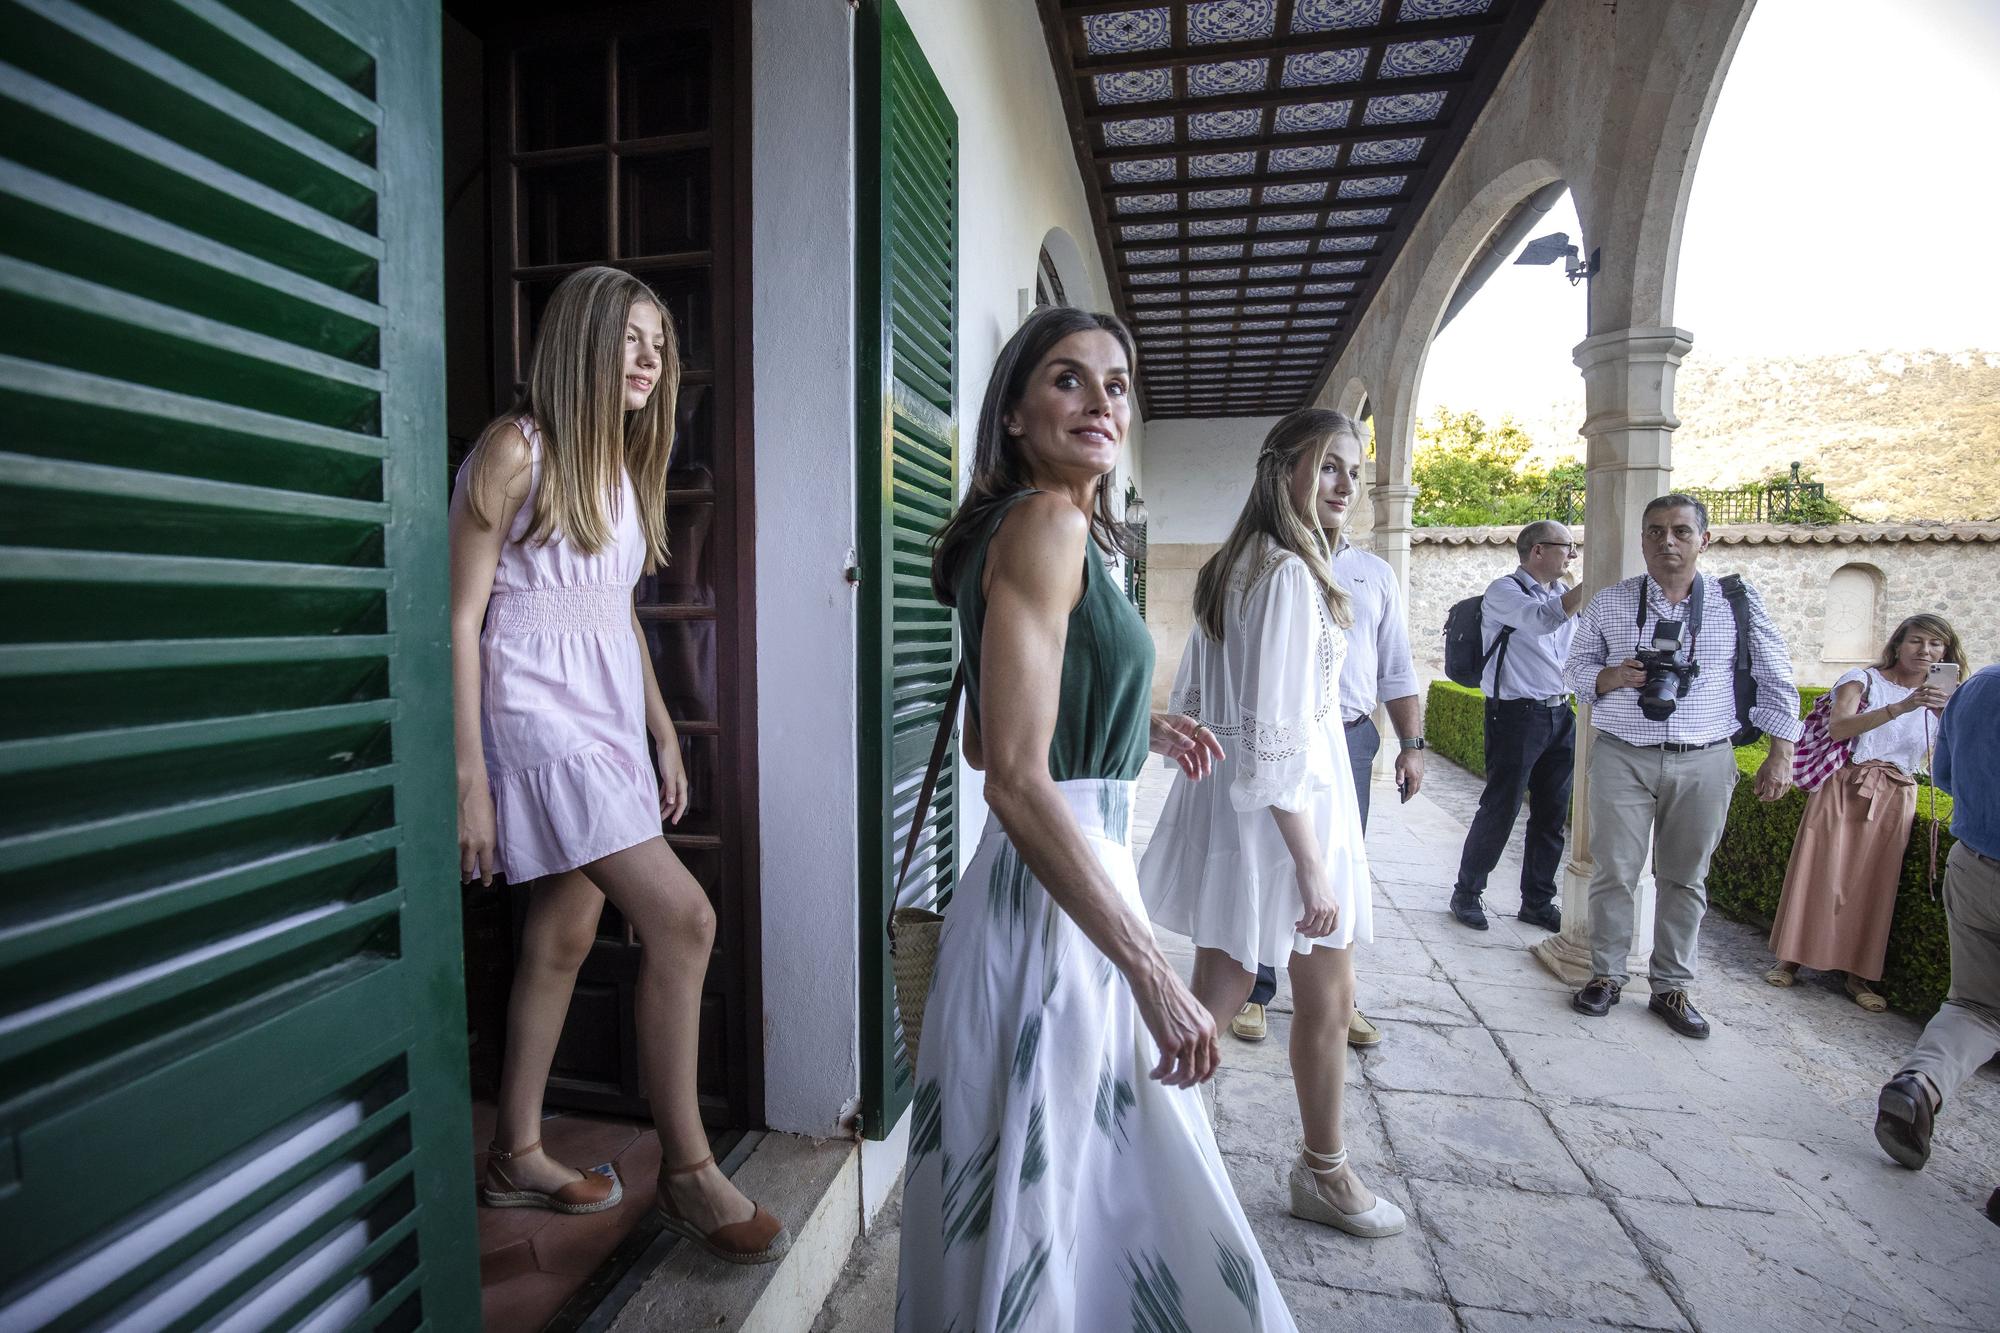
<point x="562" y="701"/>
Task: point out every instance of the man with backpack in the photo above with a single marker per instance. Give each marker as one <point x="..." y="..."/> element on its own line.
<point x="1526" y="622"/>
<point x="1679" y="666"/>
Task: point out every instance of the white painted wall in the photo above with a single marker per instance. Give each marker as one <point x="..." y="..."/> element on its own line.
<point x="1019" y="178"/>
<point x="1200" y="470"/>
<point x="802" y="181"/>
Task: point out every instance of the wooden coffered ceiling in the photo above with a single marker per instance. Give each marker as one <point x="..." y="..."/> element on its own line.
<point x="1254" y="166"/>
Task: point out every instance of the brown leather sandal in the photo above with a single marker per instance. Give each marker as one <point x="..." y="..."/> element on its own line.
<point x="594" y="1193"/>
<point x="760" y="1239"/>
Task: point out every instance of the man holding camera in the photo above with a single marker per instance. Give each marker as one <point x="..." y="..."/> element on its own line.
<point x="1527" y="621"/>
<point x="1662" y="767"/>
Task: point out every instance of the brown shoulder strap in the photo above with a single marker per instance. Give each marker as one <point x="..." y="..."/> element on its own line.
<point x="938" y="749"/>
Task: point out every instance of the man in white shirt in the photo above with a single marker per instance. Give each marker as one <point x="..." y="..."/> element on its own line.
<point x="1526" y="622"/>
<point x="1378" y="668"/>
<point x="1666" y="778"/>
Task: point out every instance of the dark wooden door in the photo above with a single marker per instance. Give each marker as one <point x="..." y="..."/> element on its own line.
<point x="617" y="139"/>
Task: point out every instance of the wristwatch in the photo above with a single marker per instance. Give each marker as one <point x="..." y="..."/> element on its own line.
<point x="1411" y="743"/>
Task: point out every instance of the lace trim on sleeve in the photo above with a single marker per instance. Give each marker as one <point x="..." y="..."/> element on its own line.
<point x="1270" y="742"/>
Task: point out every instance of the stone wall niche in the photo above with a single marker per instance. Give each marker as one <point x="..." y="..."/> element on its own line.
<point x="1854" y="630"/>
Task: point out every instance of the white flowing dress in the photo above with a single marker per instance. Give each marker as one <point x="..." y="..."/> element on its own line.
<point x="1217" y="869"/>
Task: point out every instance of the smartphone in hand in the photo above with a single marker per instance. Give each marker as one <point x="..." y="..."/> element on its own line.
<point x="1943" y="677"/>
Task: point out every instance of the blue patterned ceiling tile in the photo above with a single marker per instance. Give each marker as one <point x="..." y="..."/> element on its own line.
<point x="1345" y="243"/>
<point x="1358" y="217"/>
<point x="1320" y="158"/>
<point x="1231" y="20"/>
<point x="1222" y="327"/>
<point x="1286" y="221"/>
<point x="1241" y="124"/>
<point x="1313" y="69"/>
<point x="1215" y="252"/>
<point x="1212" y="294"/>
<point x="1212" y="275"/>
<point x="1265" y="309"/>
<point x="1274" y="271"/>
<point x="1226" y="77"/>
<point x="1147" y="203"/>
<point x="1327" y="288"/>
<point x="1403" y="108"/>
<point x="1155" y="298"/>
<point x="1331" y="15"/>
<point x="1414" y="11"/>
<point x="1373" y="187"/>
<point x="1150" y="169"/>
<point x="1163" y="342"/>
<point x="1259" y="340"/>
<point x="1212" y="312"/>
<point x="1222" y="164"/>
<point x="1258" y="325"/>
<point x="1315" y="323"/>
<point x="1128" y="31"/>
<point x="1264" y="248"/>
<point x="1383" y="152"/>
<point x="1156" y="314"/>
<point x="1314" y="307"/>
<point x="1133" y="85"/>
<point x="1438" y="55"/>
<point x="1153" y="277"/>
<point x="1294" y="194"/>
<point x="1150" y="231"/>
<point x="1218" y="198"/>
<point x="1138" y="133"/>
<point x="1151" y="256"/>
<point x="1306" y="117"/>
<point x="1218" y="227"/>
<point x="1209" y="356"/>
<point x="1267" y="291"/>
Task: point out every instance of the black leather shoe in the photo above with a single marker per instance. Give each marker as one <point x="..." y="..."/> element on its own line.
<point x="1596" y="998"/>
<point x="1680" y="1013"/>
<point x="1548" y="916"/>
<point x="1468" y="912"/>
<point x="1903" y="1118"/>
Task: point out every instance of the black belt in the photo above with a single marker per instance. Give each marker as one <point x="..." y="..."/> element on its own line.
<point x="1675" y="747"/>
<point x="1546" y="701"/>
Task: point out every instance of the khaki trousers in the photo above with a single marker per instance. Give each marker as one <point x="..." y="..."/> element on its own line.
<point x="1965" y="1033"/>
<point x="1677" y="801"/>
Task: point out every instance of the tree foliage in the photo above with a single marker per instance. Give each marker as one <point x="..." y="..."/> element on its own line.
<point x="1469" y="474"/>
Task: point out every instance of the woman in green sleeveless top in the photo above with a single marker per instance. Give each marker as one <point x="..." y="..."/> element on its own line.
<point x="1062" y="1174"/>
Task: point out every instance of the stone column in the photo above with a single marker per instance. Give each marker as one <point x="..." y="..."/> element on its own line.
<point x="1394" y="503"/>
<point x="1628" y="394"/>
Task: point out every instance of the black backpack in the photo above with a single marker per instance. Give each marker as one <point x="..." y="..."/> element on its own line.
<point x="1466" y="651"/>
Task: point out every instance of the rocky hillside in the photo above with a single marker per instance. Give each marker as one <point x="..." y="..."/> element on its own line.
<point x="1894" y="435"/>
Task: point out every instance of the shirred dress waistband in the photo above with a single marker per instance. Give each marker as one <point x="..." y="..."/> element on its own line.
<point x="599" y="608"/>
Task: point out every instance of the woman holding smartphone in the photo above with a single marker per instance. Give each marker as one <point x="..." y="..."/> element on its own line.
<point x="1840" y="889"/>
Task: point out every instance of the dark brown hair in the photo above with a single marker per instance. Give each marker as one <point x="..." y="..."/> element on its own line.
<point x="1935" y="626"/>
<point x="998" y="467"/>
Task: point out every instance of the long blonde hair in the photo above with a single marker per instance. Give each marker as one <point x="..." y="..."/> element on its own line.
<point x="576" y="397"/>
<point x="1272" y="512"/>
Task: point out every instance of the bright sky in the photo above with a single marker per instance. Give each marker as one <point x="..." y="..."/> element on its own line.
<point x="1844" y="200"/>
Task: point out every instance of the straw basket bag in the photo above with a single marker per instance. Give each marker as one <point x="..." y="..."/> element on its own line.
<point x="914" y="931"/>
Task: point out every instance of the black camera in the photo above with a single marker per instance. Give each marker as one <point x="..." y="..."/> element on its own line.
<point x="1669" y="671"/>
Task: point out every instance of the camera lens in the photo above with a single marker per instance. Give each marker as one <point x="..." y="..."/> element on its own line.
<point x="1656" y="696"/>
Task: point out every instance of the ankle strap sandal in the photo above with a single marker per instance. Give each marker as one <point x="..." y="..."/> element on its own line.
<point x="594" y="1192"/>
<point x="758" y="1239"/>
<point x="1382" y="1218"/>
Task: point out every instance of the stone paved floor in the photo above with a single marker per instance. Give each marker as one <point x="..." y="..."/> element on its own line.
<point x="1564" y="1173"/>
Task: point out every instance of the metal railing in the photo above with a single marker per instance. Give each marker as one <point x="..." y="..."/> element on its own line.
<point x="1791" y="501"/>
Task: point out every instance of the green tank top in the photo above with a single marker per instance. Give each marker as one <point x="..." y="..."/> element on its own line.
<point x="1104" y="712"/>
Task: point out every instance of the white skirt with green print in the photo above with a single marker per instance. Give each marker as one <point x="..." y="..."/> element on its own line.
<point x="1052" y="1185"/>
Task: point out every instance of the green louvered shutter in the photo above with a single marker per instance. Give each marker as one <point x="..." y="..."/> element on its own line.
<point x="232" y="1064"/>
<point x="907" y="286"/>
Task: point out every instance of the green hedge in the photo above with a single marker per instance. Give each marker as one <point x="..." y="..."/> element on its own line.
<point x="1747" y="872"/>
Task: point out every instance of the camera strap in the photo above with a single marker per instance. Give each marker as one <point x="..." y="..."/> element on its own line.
<point x="1695" y="599"/>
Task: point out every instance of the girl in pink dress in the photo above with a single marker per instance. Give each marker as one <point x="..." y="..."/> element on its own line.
<point x="558" y="510"/>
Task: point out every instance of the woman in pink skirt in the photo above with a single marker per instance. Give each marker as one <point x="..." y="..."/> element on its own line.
<point x="558" y="510"/>
<point x="1840" y="889"/>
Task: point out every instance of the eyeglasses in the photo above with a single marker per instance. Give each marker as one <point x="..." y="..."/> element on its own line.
<point x="1571" y="547"/>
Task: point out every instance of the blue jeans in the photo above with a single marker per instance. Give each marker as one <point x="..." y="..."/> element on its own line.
<point x="1363" y="740"/>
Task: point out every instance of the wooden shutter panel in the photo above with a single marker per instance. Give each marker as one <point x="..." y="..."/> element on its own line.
<point x="907" y="280"/>
<point x="232" y="1066"/>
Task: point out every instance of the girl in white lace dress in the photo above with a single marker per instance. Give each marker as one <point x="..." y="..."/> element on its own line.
<point x="1263" y="863"/>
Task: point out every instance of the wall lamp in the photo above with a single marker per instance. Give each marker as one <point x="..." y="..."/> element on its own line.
<point x="1548" y="249"/>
